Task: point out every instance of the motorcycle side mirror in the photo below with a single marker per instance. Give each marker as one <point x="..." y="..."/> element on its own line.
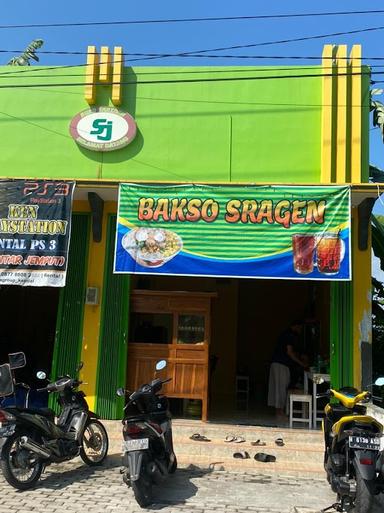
<point x="41" y="375"/>
<point x="379" y="382"/>
<point x="17" y="360"/>
<point x="79" y="366"/>
<point x="120" y="392"/>
<point x="160" y="365"/>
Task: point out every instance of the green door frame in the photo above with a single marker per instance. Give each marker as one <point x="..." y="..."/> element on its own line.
<point x="112" y="357"/>
<point x="69" y="325"/>
<point x="341" y="334"/>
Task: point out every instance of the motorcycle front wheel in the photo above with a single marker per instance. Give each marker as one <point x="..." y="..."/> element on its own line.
<point x="365" y="497"/>
<point x="94" y="444"/>
<point x="142" y="489"/>
<point x="21" y="468"/>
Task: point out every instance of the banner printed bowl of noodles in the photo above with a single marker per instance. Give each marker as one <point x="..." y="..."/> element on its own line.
<point x="152" y="247"/>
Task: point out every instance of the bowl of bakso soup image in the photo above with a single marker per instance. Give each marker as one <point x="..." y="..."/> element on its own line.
<point x="152" y="247"/>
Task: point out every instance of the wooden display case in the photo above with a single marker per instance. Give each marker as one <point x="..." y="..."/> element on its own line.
<point x="174" y="326"/>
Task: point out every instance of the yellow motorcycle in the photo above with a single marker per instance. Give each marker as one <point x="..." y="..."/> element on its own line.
<point x="353" y="458"/>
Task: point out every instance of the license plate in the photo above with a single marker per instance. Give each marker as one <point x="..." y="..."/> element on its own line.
<point x="7" y="430"/>
<point x="136" y="445"/>
<point x="365" y="442"/>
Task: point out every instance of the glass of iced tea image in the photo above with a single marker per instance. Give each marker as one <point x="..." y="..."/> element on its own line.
<point x="330" y="253"/>
<point x="303" y="246"/>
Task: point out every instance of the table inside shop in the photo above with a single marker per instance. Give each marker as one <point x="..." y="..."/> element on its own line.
<point x="317" y="378"/>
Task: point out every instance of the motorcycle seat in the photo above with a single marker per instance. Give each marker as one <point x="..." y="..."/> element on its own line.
<point x="338" y="411"/>
<point x="45" y="412"/>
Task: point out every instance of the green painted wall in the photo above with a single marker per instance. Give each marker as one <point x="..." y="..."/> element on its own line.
<point x="244" y="130"/>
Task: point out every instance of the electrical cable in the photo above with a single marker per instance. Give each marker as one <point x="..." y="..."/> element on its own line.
<point x="194" y="20"/>
<point x="219" y="102"/>
<point x="36" y="125"/>
<point x="204" y="71"/>
<point x="262" y="43"/>
<point x="186" y="54"/>
<point x="194" y="80"/>
<point x="252" y="45"/>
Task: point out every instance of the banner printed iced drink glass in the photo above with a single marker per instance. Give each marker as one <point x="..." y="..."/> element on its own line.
<point x="329" y="253"/>
<point x="303" y="246"/>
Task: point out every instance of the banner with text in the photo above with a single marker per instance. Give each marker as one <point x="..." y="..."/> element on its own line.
<point x="35" y="229"/>
<point x="300" y="232"/>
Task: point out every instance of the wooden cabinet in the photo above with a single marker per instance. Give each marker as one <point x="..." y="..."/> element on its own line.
<point x="174" y="326"/>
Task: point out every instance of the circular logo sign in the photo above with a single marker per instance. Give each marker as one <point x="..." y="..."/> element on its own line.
<point x="103" y="129"/>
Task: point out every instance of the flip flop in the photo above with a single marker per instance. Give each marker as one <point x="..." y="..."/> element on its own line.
<point x="242" y="455"/>
<point x="265" y="458"/>
<point x="197" y="437"/>
<point x="229" y="438"/>
<point x="239" y="439"/>
<point x="279" y="442"/>
<point x="258" y="442"/>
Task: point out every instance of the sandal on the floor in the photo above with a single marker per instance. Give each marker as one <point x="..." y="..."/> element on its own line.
<point x="242" y="455"/>
<point x="258" y="442"/>
<point x="279" y="442"/>
<point x="229" y="438"/>
<point x="239" y="439"/>
<point x="197" y="437"/>
<point x="265" y="458"/>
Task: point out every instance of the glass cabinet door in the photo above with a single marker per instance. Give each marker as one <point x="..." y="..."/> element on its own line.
<point x="153" y="328"/>
<point x="191" y="329"/>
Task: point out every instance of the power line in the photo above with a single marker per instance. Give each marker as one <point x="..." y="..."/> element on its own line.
<point x="224" y="102"/>
<point x="262" y="104"/>
<point x="192" y="54"/>
<point x="158" y="71"/>
<point x="36" y="125"/>
<point x="197" y="53"/>
<point x="193" y="20"/>
<point x="264" y="43"/>
<point x="292" y="40"/>
<point x="193" y="80"/>
<point x="201" y="72"/>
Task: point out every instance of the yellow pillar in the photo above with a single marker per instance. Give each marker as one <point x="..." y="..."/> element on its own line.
<point x="326" y="114"/>
<point x="342" y="100"/>
<point x="92" y="313"/>
<point x="105" y="65"/>
<point x="118" y="67"/>
<point x="356" y="113"/>
<point x="362" y="298"/>
<point x="91" y="75"/>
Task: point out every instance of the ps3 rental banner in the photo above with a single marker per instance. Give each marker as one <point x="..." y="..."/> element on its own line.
<point x="298" y="232"/>
<point x="35" y="228"/>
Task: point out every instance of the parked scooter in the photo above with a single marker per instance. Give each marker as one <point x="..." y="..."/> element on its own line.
<point x="148" y="447"/>
<point x="353" y="459"/>
<point x="31" y="439"/>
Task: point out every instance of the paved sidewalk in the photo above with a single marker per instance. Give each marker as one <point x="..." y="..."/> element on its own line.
<point x="75" y="488"/>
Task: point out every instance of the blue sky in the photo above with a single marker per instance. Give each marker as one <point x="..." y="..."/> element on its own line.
<point x="183" y="37"/>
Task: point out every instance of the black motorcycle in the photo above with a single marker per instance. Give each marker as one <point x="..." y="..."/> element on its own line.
<point x="31" y="439"/>
<point x="148" y="447"/>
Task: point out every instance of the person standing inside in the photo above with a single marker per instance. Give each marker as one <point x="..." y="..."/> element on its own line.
<point x="283" y="359"/>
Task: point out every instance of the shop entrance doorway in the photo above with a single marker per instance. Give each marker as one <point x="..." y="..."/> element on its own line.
<point x="264" y="310"/>
<point x="28" y="324"/>
<point x="246" y="318"/>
